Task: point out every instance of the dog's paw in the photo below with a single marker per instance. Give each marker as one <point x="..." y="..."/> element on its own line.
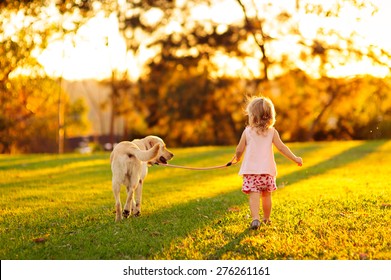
<point x="126" y="213"/>
<point x="137" y="214"/>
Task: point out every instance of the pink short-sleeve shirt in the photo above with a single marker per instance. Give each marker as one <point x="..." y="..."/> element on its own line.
<point x="259" y="155"/>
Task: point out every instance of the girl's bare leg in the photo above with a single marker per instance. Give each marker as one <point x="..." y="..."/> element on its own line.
<point x="266" y="205"/>
<point x="254" y="201"/>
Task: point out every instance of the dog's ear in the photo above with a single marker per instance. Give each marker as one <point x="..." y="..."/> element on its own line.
<point x="150" y="144"/>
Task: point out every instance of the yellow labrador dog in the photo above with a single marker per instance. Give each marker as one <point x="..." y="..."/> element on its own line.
<point x="129" y="166"/>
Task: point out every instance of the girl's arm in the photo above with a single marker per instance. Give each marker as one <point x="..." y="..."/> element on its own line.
<point x="284" y="149"/>
<point x="240" y="147"/>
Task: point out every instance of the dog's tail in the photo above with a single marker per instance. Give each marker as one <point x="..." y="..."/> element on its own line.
<point x="131" y="150"/>
<point x="146" y="155"/>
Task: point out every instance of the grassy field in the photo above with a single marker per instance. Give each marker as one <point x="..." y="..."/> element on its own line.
<point x="337" y="206"/>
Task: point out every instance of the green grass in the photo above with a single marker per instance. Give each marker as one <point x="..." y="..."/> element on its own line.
<point x="337" y="206"/>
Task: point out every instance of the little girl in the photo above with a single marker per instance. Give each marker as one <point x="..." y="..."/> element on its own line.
<point x="259" y="167"/>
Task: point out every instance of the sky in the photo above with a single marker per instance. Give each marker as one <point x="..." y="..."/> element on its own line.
<point x="88" y="57"/>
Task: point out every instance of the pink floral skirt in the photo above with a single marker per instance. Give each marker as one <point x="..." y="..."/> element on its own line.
<point x="258" y="183"/>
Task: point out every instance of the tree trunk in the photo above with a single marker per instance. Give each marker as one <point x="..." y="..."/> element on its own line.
<point x="259" y="42"/>
<point x="311" y="131"/>
<point x="61" y="132"/>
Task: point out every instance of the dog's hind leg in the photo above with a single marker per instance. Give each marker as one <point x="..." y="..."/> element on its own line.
<point x="136" y="210"/>
<point x="130" y="203"/>
<point x="116" y="192"/>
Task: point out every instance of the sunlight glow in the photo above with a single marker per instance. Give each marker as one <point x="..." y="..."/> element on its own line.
<point x="98" y="48"/>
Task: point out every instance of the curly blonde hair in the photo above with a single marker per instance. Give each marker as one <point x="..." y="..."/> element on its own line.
<point x="261" y="113"/>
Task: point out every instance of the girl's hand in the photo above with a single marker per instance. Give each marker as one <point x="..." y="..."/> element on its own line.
<point x="299" y="161"/>
<point x="234" y="160"/>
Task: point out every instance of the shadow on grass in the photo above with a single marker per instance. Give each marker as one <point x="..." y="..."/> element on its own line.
<point x="157" y="231"/>
<point x="71" y="176"/>
<point x="34" y="162"/>
<point x="301" y="150"/>
<point x="150" y="235"/>
<point x="346" y="157"/>
<point x="93" y="234"/>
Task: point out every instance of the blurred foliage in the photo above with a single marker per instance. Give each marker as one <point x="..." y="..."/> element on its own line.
<point x="188" y="107"/>
<point x="331" y="108"/>
<point x="76" y="121"/>
<point x="29" y="116"/>
<point x="28" y="98"/>
<point x="185" y="94"/>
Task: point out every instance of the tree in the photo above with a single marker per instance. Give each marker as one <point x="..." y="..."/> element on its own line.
<point x="327" y="48"/>
<point x="185" y="92"/>
<point x="25" y="28"/>
<point x="185" y="102"/>
<point x="21" y="33"/>
<point x="359" y="108"/>
<point x="134" y="24"/>
<point x="331" y="48"/>
<point x="31" y="113"/>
